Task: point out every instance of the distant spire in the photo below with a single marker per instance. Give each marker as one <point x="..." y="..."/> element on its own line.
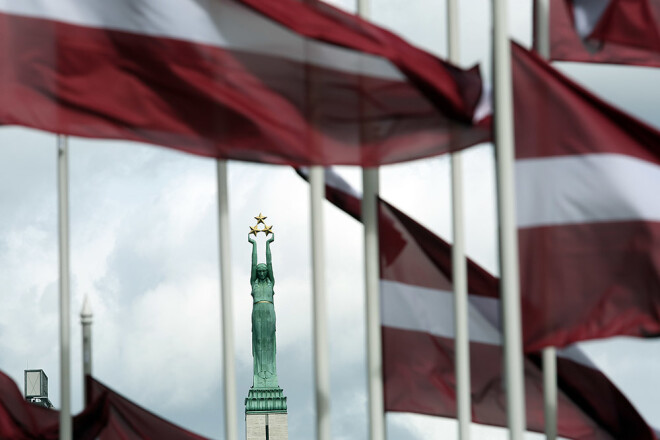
<point x="86" y="312"/>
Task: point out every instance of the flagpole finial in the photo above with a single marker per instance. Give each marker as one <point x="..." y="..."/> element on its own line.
<point x="86" y="312"/>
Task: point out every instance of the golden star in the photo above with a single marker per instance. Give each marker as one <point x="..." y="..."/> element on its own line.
<point x="254" y="230"/>
<point x="267" y="229"/>
<point x="260" y="219"/>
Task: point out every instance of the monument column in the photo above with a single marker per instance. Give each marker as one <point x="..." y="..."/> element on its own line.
<point x="265" y="405"/>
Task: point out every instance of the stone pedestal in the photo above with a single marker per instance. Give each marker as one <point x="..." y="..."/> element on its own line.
<point x="265" y="414"/>
<point x="268" y="426"/>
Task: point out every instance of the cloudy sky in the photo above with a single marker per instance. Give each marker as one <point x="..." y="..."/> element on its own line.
<point x="144" y="248"/>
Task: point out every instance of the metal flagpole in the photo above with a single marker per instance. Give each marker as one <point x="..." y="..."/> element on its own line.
<point x="376" y="406"/>
<point x="228" y="353"/>
<point x="459" y="264"/>
<point x="542" y="28"/>
<point x="509" y="273"/>
<point x="65" y="295"/>
<point x="319" y="303"/>
<point x="550" y="392"/>
<point x="542" y="47"/>
<point x="86" y="322"/>
<point x="371" y="275"/>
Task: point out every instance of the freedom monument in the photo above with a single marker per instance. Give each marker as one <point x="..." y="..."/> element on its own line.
<point x="265" y="405"/>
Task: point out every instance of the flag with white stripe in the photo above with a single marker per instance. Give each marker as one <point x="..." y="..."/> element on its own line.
<point x="223" y="78"/>
<point x="418" y="340"/>
<point x="587" y="180"/>
<point x="605" y="31"/>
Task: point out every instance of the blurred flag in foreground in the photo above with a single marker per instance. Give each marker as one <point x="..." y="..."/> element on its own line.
<point x="222" y="78"/>
<point x="418" y="340"/>
<point x="109" y="416"/>
<point x="605" y="31"/>
<point x="588" y="211"/>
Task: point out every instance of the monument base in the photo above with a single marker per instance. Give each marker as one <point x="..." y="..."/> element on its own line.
<point x="262" y="400"/>
<point x="268" y="426"/>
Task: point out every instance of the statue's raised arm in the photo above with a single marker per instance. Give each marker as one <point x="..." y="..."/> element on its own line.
<point x="269" y="261"/>
<point x="253" y="273"/>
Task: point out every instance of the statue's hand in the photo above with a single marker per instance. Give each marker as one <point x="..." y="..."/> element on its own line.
<point x="272" y="238"/>
<point x="250" y="239"/>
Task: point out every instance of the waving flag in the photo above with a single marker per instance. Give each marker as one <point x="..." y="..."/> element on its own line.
<point x="588" y="212"/>
<point x="109" y="416"/>
<point x="418" y="340"/>
<point x="606" y="31"/>
<point x="222" y="78"/>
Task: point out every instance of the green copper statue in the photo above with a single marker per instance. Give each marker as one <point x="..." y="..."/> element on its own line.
<point x="265" y="396"/>
<point x="263" y="313"/>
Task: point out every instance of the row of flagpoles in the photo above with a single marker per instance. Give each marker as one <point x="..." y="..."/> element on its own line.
<point x="510" y="295"/>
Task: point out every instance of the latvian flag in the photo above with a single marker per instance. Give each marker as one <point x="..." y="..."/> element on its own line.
<point x="418" y="340"/>
<point x="605" y="31"/>
<point x="281" y="82"/>
<point x="588" y="185"/>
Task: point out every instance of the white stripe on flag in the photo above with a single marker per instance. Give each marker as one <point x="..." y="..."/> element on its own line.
<point x="222" y="23"/>
<point x="431" y="311"/>
<point x="585" y="189"/>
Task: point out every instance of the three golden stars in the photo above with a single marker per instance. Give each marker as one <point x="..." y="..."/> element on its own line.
<point x="255" y="229"/>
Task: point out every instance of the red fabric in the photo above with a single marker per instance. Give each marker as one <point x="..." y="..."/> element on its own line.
<point x="630" y="23"/>
<point x="419" y="377"/>
<point x="206" y="100"/>
<point x="628" y="33"/>
<point x="124" y="420"/>
<point x="587" y="280"/>
<point x="109" y="417"/>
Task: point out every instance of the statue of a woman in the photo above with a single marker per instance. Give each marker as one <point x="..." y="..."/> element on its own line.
<point x="263" y="318"/>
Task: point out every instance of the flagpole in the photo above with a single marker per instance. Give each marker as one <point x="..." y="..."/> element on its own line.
<point x="65" y="295"/>
<point x="371" y="273"/>
<point x="228" y="353"/>
<point x="370" y="184"/>
<point x="542" y="28"/>
<point x="86" y="323"/>
<point x="549" y="357"/>
<point x="319" y="305"/>
<point x="509" y="272"/>
<point x="459" y="267"/>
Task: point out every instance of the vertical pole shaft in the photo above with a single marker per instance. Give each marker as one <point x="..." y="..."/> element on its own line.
<point x="376" y="409"/>
<point x="372" y="280"/>
<point x="228" y="353"/>
<point x="550" y="392"/>
<point x="319" y="303"/>
<point x="542" y="47"/>
<point x="65" y="300"/>
<point x="86" y="322"/>
<point x="542" y="28"/>
<point x="459" y="265"/>
<point x="509" y="285"/>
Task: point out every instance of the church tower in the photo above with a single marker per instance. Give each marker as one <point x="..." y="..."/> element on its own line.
<point x="265" y="405"/>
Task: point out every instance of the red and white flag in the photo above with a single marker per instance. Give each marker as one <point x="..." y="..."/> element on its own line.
<point x="588" y="211"/>
<point x="418" y="340"/>
<point x="605" y="31"/>
<point x="280" y="82"/>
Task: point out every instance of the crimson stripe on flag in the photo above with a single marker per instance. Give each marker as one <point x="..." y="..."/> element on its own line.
<point x="591" y="280"/>
<point x="566" y="44"/>
<point x="556" y="116"/>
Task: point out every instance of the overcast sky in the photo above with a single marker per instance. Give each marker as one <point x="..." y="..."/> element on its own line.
<point x="144" y="248"/>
